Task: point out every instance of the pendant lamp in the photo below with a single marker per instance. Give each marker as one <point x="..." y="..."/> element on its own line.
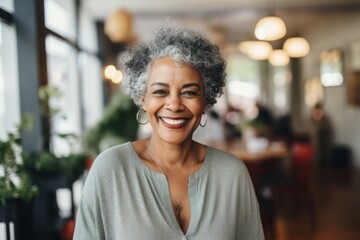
<point x="296" y="47"/>
<point x="279" y="57"/>
<point x="270" y="28"/>
<point x="118" y="26"/>
<point x="256" y="50"/>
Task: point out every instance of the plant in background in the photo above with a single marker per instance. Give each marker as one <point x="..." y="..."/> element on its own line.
<point x="46" y="163"/>
<point x="14" y="180"/>
<point x="118" y="122"/>
<point x="48" y="96"/>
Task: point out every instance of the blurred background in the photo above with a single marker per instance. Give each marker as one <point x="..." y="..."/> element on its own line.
<point x="290" y="109"/>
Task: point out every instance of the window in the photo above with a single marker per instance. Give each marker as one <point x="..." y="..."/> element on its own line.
<point x="62" y="76"/>
<point x="7" y="5"/>
<point x="9" y="90"/>
<point x="281" y="89"/>
<point x="92" y="94"/>
<point x="75" y="73"/>
<point x="90" y="72"/>
<point x="60" y="17"/>
<point x="243" y="85"/>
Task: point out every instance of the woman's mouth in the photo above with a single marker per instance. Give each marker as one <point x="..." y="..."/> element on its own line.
<point x="169" y="122"/>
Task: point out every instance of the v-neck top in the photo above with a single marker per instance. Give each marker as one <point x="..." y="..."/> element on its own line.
<point x="125" y="199"/>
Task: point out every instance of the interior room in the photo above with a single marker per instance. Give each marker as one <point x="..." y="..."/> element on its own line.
<point x="290" y="108"/>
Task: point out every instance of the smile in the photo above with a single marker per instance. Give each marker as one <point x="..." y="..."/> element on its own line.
<point x="173" y="121"/>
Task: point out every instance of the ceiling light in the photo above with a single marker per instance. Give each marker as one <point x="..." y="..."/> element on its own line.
<point x="279" y="57"/>
<point x="117" y="78"/>
<point x="257" y="50"/>
<point x="270" y="28"/>
<point x="297" y="47"/>
<point x="118" y="26"/>
<point x="110" y="71"/>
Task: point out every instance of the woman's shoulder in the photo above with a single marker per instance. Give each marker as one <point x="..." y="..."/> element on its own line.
<point x="221" y="158"/>
<point x="122" y="148"/>
<point x="226" y="166"/>
<point x="114" y="156"/>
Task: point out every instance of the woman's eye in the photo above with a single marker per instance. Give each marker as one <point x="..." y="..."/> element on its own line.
<point x="159" y="92"/>
<point x="189" y="93"/>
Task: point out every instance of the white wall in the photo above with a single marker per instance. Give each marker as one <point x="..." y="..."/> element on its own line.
<point x="336" y="31"/>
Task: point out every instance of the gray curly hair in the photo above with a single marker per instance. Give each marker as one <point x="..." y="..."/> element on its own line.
<point x="183" y="45"/>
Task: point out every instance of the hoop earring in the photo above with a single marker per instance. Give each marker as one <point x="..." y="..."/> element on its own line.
<point x="138" y="117"/>
<point x="203" y="125"/>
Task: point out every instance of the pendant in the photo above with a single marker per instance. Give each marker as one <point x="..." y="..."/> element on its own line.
<point x="178" y="209"/>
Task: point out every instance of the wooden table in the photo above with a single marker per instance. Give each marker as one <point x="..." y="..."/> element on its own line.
<point x="274" y="150"/>
<point x="263" y="165"/>
<point x="266" y="154"/>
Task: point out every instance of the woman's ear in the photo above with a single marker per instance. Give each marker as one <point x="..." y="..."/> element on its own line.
<point x="143" y="105"/>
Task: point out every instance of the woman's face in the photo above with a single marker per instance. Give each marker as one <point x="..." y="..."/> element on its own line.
<point x="174" y="100"/>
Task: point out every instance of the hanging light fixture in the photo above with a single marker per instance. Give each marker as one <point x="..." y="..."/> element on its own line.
<point x="118" y="26"/>
<point x="270" y="28"/>
<point x="256" y="50"/>
<point x="296" y="47"/>
<point x="279" y="57"/>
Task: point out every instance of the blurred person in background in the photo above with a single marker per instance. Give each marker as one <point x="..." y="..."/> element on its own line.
<point x="168" y="186"/>
<point x="321" y="134"/>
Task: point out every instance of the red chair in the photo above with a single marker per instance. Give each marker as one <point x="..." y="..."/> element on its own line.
<point x="298" y="186"/>
<point x="303" y="159"/>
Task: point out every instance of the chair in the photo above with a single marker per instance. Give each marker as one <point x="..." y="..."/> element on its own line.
<point x="298" y="185"/>
<point x="262" y="173"/>
<point x="303" y="158"/>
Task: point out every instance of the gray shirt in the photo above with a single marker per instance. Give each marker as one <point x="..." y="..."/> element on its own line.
<point x="124" y="199"/>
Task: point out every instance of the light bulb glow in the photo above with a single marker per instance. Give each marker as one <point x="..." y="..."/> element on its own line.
<point x="270" y="28"/>
<point x="110" y="71"/>
<point x="257" y="50"/>
<point x="279" y="58"/>
<point x="117" y="77"/>
<point x="297" y="47"/>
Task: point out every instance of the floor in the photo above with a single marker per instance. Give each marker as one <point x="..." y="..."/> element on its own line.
<point x="336" y="213"/>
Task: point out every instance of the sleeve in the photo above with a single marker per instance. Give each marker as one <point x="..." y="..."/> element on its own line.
<point x="89" y="224"/>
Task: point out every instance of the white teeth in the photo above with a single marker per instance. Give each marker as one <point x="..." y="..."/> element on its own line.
<point x="173" y="121"/>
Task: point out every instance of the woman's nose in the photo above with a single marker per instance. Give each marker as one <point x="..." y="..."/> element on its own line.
<point x="174" y="103"/>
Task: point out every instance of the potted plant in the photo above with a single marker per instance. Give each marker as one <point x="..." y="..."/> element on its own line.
<point x="16" y="189"/>
<point x="46" y="164"/>
<point x="14" y="179"/>
<point x="49" y="171"/>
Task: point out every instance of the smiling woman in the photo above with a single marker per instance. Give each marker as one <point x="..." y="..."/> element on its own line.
<point x="169" y="186"/>
<point x="174" y="100"/>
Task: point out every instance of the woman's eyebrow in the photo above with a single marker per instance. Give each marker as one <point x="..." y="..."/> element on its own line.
<point x="187" y="85"/>
<point x="159" y="84"/>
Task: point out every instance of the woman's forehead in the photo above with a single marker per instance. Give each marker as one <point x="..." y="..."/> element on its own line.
<point x="167" y="68"/>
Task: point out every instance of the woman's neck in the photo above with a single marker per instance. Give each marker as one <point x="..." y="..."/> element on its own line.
<point x="173" y="156"/>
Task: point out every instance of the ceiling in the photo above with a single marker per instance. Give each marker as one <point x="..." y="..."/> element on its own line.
<point x="234" y="19"/>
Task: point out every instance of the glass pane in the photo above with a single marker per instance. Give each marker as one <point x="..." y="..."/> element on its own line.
<point x="7" y="5"/>
<point x="87" y="33"/>
<point x="9" y="85"/>
<point x="281" y="89"/>
<point x="92" y="89"/>
<point x="243" y="86"/>
<point x="64" y="98"/>
<point x="60" y="17"/>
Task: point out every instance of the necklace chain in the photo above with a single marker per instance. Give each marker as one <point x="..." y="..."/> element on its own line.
<point x="178" y="207"/>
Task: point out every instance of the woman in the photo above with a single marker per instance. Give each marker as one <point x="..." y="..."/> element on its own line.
<point x="168" y="186"/>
